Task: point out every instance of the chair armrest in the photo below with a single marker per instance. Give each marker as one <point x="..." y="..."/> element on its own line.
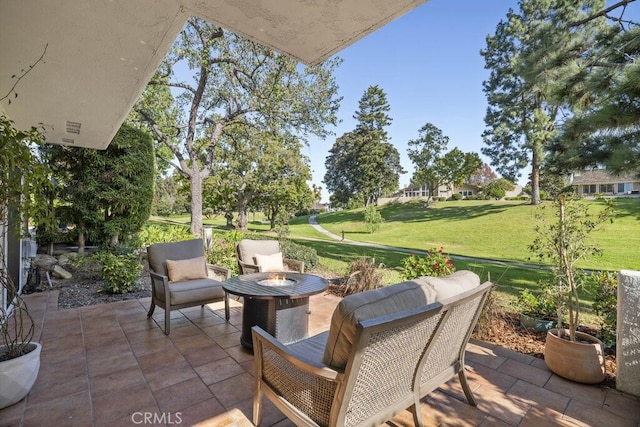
<point x="263" y="340"/>
<point x="247" y="268"/>
<point x="220" y="270"/>
<point x="294" y="265"/>
<point x="158" y="280"/>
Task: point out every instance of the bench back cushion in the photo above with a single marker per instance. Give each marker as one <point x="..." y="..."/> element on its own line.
<point x="364" y="306"/>
<point x="384" y="301"/>
<point x="451" y="285"/>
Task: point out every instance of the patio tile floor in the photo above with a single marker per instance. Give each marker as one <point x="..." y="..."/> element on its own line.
<point x="108" y="365"/>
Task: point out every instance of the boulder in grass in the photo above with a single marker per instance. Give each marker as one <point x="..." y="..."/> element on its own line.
<point x="61" y="272"/>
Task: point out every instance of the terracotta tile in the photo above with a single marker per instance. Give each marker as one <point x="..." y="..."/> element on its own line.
<point x="111" y="362"/>
<point x="212" y="320"/>
<point x="75" y="340"/>
<point x="590" y="394"/>
<point x="100" y="352"/>
<point x="144" y="335"/>
<point x="203" y="413"/>
<point x="527" y="359"/>
<point x="493" y="422"/>
<point x="113" y="381"/>
<point x="484" y="357"/>
<point x="219" y="329"/>
<point x="12" y="415"/>
<point x="249" y="367"/>
<point x="139" y="325"/>
<point x="540" y="416"/>
<point x="169" y="375"/>
<point x="540" y="364"/>
<point x="187" y="331"/>
<point x="182" y="395"/>
<point x="72" y="410"/>
<point x="99" y="339"/>
<point x="440" y="409"/>
<point x="233" y="390"/>
<point x="192" y="343"/>
<point x="538" y="396"/>
<point x="203" y="355"/>
<point x="239" y="353"/>
<point x="594" y="415"/>
<point x="62" y="381"/>
<point x="454" y="389"/>
<point x="626" y="406"/>
<point x="219" y="370"/>
<point x="131" y="317"/>
<point x="152" y="361"/>
<point x="150" y="416"/>
<point x="122" y="403"/>
<point x="525" y="372"/>
<point x="270" y="414"/>
<point x="228" y="340"/>
<point x="509" y="409"/>
<point x="145" y="347"/>
<point x="54" y="357"/>
<point x="491" y="378"/>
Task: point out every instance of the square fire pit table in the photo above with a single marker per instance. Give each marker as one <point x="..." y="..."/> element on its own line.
<point x="277" y="302"/>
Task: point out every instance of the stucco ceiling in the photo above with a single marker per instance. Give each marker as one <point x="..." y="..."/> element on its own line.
<point x="99" y="55"/>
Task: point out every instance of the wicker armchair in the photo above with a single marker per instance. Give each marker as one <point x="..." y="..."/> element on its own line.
<point x="247" y="249"/>
<point x="394" y="357"/>
<point x="181" y="278"/>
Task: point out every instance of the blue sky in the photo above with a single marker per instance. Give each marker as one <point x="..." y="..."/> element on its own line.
<point x="428" y="62"/>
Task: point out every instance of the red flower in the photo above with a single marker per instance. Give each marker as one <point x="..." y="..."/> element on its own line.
<point x="436" y="265"/>
<point x="440" y="249"/>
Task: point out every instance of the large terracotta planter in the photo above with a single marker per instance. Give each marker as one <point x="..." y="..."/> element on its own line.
<point x="581" y="361"/>
<point x="18" y="375"/>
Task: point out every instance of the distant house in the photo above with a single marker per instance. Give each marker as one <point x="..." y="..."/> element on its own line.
<point x="600" y="181"/>
<point x="414" y="192"/>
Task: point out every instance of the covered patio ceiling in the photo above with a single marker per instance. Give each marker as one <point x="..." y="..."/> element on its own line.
<point x="100" y="54"/>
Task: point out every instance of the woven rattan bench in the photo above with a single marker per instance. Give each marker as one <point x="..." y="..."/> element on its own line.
<point x="385" y="350"/>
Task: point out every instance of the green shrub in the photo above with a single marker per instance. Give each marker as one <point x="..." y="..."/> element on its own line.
<point x="154" y="233"/>
<point x="434" y="263"/>
<point x="119" y="272"/>
<point x="542" y="304"/>
<point x="605" y="305"/>
<point x="362" y="275"/>
<point x="456" y="196"/>
<point x="372" y="218"/>
<point x="222" y="249"/>
<point x="298" y="252"/>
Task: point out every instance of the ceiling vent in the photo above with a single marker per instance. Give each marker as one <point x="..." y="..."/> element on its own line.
<point x="68" y="141"/>
<point x="73" y="127"/>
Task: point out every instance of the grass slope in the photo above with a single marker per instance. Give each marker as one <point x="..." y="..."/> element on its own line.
<point x="499" y="230"/>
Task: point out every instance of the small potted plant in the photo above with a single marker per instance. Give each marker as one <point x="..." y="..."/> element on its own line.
<point x="538" y="311"/>
<point x="21" y="175"/>
<point x="563" y="238"/>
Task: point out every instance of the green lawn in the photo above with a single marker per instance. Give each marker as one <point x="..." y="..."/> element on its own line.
<point x="499" y="230"/>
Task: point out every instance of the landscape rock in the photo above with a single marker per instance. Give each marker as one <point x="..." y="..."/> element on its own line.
<point x="45" y="261"/>
<point x="61" y="272"/>
<point x="65" y="258"/>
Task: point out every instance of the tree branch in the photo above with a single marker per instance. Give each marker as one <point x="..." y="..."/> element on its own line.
<point x="24" y="73"/>
<point x="603" y="12"/>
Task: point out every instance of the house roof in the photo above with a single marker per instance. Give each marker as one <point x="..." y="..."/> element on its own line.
<point x="602" y="176"/>
<point x="100" y="54"/>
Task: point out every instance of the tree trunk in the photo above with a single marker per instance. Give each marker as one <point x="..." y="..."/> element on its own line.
<point x="228" y="215"/>
<point x="535" y="178"/>
<point x="196" y="204"/>
<point x="243" y="220"/>
<point x="81" y="238"/>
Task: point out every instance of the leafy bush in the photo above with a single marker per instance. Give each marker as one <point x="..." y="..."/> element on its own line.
<point x="221" y="249"/>
<point x="153" y="233"/>
<point x="542" y="304"/>
<point x="605" y="305"/>
<point x="372" y="218"/>
<point x="119" y="272"/>
<point x="434" y="263"/>
<point x="362" y="275"/>
<point x="456" y="196"/>
<point x="298" y="252"/>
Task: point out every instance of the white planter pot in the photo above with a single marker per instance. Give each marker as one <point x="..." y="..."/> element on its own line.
<point x="18" y="375"/>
